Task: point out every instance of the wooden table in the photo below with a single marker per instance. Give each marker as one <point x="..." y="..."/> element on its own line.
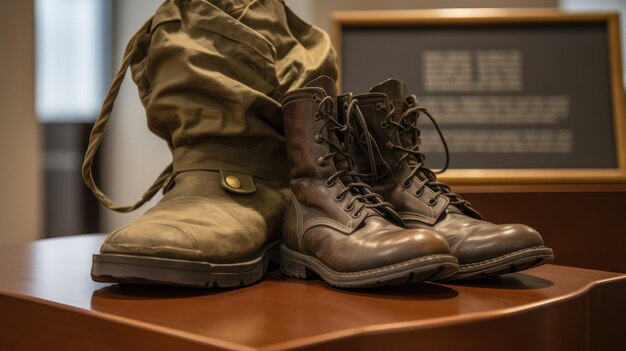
<point x="48" y="302"/>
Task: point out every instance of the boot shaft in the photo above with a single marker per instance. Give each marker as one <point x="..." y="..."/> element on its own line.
<point x="212" y="70"/>
<point x="318" y="194"/>
<point x="396" y="178"/>
<point x="322" y="177"/>
<point x="375" y="162"/>
<point x="310" y="116"/>
<point x="391" y="116"/>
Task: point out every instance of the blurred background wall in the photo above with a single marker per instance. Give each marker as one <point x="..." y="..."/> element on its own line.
<point x="20" y="179"/>
<point x="131" y="156"/>
<point x="318" y="11"/>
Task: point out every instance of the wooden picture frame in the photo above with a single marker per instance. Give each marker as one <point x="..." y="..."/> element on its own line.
<point x="485" y="17"/>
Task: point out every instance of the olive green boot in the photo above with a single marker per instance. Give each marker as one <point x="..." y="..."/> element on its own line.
<point x="210" y="74"/>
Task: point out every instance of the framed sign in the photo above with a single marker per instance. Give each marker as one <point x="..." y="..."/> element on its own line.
<point x="522" y="96"/>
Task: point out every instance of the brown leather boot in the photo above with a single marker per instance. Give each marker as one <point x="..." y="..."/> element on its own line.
<point x="335" y="225"/>
<point x="400" y="176"/>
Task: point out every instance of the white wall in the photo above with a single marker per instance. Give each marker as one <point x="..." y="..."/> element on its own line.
<point x="20" y="180"/>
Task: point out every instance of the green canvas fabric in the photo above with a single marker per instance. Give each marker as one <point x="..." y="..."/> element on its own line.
<point x="210" y="74"/>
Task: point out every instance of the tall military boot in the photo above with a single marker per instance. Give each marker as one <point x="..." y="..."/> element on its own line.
<point x="400" y="176"/>
<point x="210" y="74"/>
<point x="335" y="226"/>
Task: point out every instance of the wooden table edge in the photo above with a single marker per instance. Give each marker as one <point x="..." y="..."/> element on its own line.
<point x="173" y="332"/>
<point x="438" y="322"/>
<point x="326" y="337"/>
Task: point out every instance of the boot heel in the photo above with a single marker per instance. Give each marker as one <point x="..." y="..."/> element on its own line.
<point x="291" y="265"/>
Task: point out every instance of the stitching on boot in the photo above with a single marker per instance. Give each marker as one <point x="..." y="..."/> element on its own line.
<point x="194" y="244"/>
<point x="417" y="217"/>
<point x="327" y="222"/>
<point x="299" y="232"/>
<point x="188" y="235"/>
<point x="322" y="266"/>
<point x="171" y="248"/>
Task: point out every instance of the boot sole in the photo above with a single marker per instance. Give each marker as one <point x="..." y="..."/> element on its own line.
<point x="297" y="265"/>
<point x="113" y="268"/>
<point x="509" y="263"/>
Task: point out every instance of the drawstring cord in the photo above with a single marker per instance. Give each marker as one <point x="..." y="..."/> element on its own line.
<point x="99" y="127"/>
<point x="245" y="10"/>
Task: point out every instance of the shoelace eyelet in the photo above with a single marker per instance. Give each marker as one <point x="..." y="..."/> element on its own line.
<point x="340" y="197"/>
<point x="389" y="145"/>
<point x="420" y="192"/>
<point x="407" y="183"/>
<point x="396" y="167"/>
<point x="329" y="109"/>
<point x="321" y="162"/>
<point x="329" y="184"/>
<point x="317" y="138"/>
<point x="315" y="97"/>
<point x="380" y="106"/>
<point x="384" y="124"/>
<point x="432" y="201"/>
<point x="356" y="214"/>
<point x="316" y="116"/>
<point x="350" y="207"/>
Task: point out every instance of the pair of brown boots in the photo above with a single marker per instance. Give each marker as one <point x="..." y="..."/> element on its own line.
<point x="365" y="210"/>
<point x="210" y="74"/>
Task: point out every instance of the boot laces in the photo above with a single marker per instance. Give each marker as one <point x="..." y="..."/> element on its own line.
<point x="363" y="197"/>
<point x="409" y="148"/>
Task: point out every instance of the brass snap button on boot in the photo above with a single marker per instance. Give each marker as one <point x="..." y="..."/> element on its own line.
<point x="233" y="182"/>
<point x="238" y="183"/>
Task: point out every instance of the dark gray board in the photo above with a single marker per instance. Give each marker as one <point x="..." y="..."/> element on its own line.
<point x="558" y="59"/>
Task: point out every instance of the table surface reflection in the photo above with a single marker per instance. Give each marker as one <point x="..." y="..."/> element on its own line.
<point x="278" y="311"/>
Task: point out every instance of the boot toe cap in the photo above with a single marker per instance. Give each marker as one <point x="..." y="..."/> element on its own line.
<point x="375" y="248"/>
<point x="152" y="239"/>
<point x="498" y="241"/>
<point x="401" y="246"/>
<point x="420" y="242"/>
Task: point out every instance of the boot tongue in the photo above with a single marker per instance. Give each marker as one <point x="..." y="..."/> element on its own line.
<point x="395" y="90"/>
<point x="330" y="87"/>
<point x="326" y="83"/>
